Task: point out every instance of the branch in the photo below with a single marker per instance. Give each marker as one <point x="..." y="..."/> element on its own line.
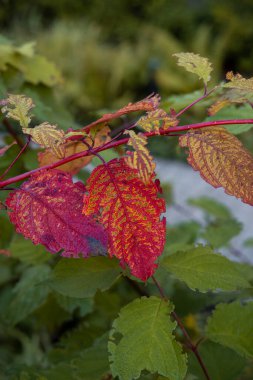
<point x="113" y="144"/>
<point x="193" y="347"/>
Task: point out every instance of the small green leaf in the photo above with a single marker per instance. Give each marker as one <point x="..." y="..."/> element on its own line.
<point x="200" y="268"/>
<point x="195" y="64"/>
<point x="29" y="293"/>
<point x="232" y="325"/>
<point x="222" y="363"/>
<point x="25" y="251"/>
<point x="219" y="232"/>
<point x="211" y="206"/>
<point x="141" y="339"/>
<point x="81" y="278"/>
<point x="245" y="111"/>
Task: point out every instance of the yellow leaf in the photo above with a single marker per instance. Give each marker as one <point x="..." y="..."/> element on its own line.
<point x="48" y="136"/>
<point x="237" y="81"/>
<point x="155" y="120"/>
<point x="17" y="107"/>
<point x="221" y="160"/>
<point x="195" y="64"/>
<point x="140" y="159"/>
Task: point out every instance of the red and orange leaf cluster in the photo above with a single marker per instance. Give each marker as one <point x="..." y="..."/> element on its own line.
<point x="72" y="147"/>
<point x="47" y="209"/>
<point x="130" y="212"/>
<point x="221" y="160"/>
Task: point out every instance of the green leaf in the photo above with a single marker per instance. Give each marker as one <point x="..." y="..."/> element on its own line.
<point x="232" y="325"/>
<point x="6" y="231"/>
<point x="211" y="206"/>
<point x="37" y="69"/>
<point x="222" y="363"/>
<point x="200" y="268"/>
<point x="141" y="338"/>
<point x="93" y="362"/>
<point x="70" y="304"/>
<point x="18" y="107"/>
<point x="81" y="278"/>
<point x="245" y="111"/>
<point x="195" y="64"/>
<point x="219" y="232"/>
<point x="27" y="252"/>
<point x="29" y="293"/>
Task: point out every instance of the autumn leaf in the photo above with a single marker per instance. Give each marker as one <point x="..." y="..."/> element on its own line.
<point x="221" y="160"/>
<point x="130" y="212"/>
<point x="148" y="104"/>
<point x="195" y="64"/>
<point x="140" y="159"/>
<point x="18" y="107"/>
<point x="5" y="148"/>
<point x="239" y="82"/>
<point x="48" y="136"/>
<point x="73" y="147"/>
<point x="156" y="120"/>
<point x="47" y="209"/>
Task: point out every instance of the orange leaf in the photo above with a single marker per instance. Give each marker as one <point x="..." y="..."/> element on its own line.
<point x="140" y="159"/>
<point x="221" y="160"/>
<point x="130" y="213"/>
<point x="148" y="104"/>
<point x="47" y="157"/>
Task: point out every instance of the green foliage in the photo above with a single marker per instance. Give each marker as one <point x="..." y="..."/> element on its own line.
<point x="141" y="338"/>
<point x="82" y="278"/>
<point x="205" y="270"/>
<point x="231" y="326"/>
<point x="230" y="365"/>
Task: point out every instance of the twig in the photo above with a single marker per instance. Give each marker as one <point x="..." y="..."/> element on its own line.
<point x="193" y="347"/>
<point x="121" y="142"/>
<point x="16" y="158"/>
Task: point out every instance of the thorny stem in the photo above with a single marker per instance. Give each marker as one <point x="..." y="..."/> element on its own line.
<point x="15" y="159"/>
<point x="193" y="347"/>
<point x="113" y="144"/>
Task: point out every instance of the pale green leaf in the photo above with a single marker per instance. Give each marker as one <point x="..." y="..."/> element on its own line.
<point x="202" y="269"/>
<point x="195" y="64"/>
<point x="219" y="232"/>
<point x="18" y="107"/>
<point x="81" y="278"/>
<point x="238" y="82"/>
<point x="211" y="206"/>
<point x="141" y="339"/>
<point x="232" y="325"/>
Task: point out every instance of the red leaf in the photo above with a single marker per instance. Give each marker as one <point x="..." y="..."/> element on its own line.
<point x="48" y="210"/>
<point x="130" y="212"/>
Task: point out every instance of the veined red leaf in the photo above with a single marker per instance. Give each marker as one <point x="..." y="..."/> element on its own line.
<point x="140" y="159"/>
<point x="148" y="104"/>
<point x="47" y="209"/>
<point x="130" y="212"/>
<point x="221" y="160"/>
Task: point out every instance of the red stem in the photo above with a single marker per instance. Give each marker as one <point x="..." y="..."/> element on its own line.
<point x="205" y="95"/>
<point x="15" y="159"/>
<point x="113" y="144"/>
<point x="193" y="347"/>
